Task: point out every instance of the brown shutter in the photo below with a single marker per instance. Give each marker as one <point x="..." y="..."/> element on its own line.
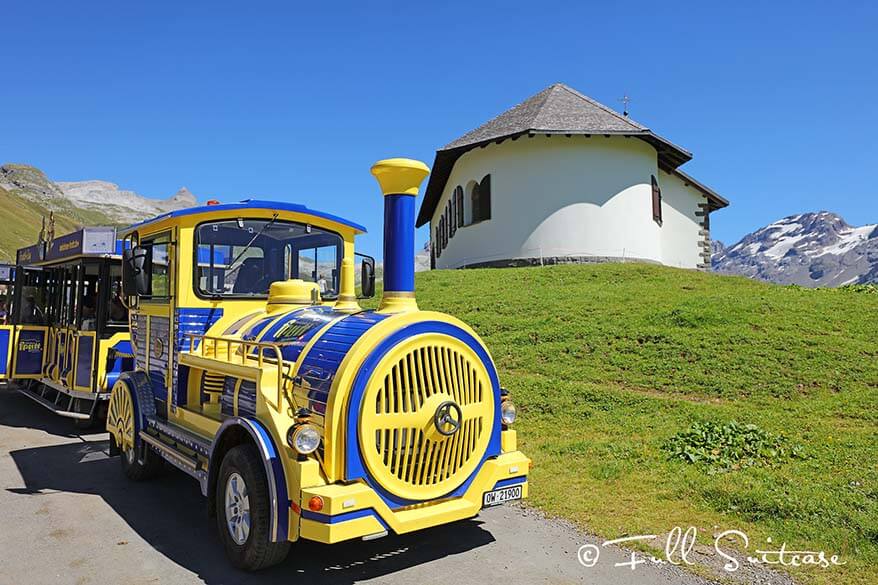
<point x="656" y="201"/>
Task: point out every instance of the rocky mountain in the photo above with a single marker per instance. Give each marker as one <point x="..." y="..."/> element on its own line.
<point x="811" y="249"/>
<point x="27" y="195"/>
<point x="89" y="199"/>
<point x="121" y="205"/>
<point x="422" y="258"/>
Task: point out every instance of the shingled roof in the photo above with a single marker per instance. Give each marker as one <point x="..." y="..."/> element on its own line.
<point x="558" y="109"/>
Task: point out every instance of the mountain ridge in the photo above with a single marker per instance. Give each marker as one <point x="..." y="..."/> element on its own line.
<point x="814" y="249"/>
<point x="28" y="196"/>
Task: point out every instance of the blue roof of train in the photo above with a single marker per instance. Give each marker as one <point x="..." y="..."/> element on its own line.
<point x="249" y="204"/>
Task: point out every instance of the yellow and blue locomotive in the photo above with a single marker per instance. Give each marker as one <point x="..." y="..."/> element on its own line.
<point x="301" y="415"/>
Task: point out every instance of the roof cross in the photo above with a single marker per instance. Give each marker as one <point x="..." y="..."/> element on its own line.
<point x="625" y="101"/>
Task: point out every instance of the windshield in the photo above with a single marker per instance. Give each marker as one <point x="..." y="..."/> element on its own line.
<point x="242" y="257"/>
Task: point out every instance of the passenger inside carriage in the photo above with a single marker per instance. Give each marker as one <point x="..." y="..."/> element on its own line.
<point x="117" y="312"/>
<point x="89" y="323"/>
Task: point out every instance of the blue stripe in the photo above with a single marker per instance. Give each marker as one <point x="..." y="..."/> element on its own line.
<point x="283" y="500"/>
<point x="344" y="517"/>
<point x="84" y="360"/>
<point x="123" y="347"/>
<point x="194" y="321"/>
<point x="521" y="479"/>
<point x="189" y="321"/>
<point x="5" y="337"/>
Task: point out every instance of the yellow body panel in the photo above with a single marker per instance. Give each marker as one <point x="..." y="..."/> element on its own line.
<point x="359" y="496"/>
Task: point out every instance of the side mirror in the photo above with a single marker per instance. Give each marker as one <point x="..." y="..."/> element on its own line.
<point x="367" y="276"/>
<point x="135" y="278"/>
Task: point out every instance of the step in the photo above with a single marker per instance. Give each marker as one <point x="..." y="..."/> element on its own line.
<point x="180" y="435"/>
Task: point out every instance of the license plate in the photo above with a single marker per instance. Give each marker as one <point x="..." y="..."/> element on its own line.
<point x="497" y="497"/>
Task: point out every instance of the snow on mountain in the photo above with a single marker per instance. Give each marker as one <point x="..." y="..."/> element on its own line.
<point x="810" y="249"/>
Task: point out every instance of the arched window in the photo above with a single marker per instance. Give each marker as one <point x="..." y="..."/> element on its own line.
<point x="452" y="220"/>
<point x="437" y="245"/>
<point x="458" y="205"/>
<point x="472" y="201"/>
<point x="656" y="201"/>
<point x="452" y="216"/>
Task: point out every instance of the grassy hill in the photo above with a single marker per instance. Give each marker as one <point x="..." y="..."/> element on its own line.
<point x="26" y="199"/>
<point x="628" y="377"/>
<point x="20" y="221"/>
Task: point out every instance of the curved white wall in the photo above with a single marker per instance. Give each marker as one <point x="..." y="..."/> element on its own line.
<point x="681" y="228"/>
<point x="572" y="196"/>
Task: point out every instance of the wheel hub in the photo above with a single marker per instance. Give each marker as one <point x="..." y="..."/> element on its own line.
<point x="237" y="508"/>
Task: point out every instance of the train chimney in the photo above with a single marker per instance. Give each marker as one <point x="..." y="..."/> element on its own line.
<point x="399" y="179"/>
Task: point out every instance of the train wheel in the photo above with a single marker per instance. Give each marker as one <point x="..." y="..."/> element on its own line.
<point x="122" y="427"/>
<point x="244" y="511"/>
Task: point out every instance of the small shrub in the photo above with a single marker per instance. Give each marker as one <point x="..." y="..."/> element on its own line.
<point x="869" y="289"/>
<point x="730" y="446"/>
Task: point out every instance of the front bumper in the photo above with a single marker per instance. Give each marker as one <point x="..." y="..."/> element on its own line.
<point x="356" y="510"/>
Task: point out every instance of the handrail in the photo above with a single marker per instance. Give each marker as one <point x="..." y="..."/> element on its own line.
<point x="209" y="346"/>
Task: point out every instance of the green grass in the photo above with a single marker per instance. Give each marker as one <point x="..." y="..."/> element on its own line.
<point x="609" y="363"/>
<point x="22" y="216"/>
<point x="21" y="221"/>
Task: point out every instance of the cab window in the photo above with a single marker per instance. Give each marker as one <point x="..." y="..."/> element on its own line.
<point x="242" y="257"/>
<point x="157" y="264"/>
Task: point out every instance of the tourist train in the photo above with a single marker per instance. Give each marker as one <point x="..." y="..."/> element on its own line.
<point x="252" y="367"/>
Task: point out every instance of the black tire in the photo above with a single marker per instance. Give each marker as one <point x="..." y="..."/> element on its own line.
<point x="135" y="470"/>
<point x="257" y="551"/>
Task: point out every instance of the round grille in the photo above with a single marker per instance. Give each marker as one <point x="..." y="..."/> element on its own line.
<point x="426" y="416"/>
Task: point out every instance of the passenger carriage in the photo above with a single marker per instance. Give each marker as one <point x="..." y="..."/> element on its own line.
<point x="66" y="341"/>
<point x="301" y="415"/>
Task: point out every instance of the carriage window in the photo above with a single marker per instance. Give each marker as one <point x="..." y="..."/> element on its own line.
<point x="88" y="286"/>
<point x="242" y="257"/>
<point x="117" y="314"/>
<point x="32" y="309"/>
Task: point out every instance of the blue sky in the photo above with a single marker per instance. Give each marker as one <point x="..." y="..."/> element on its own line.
<point x="294" y="101"/>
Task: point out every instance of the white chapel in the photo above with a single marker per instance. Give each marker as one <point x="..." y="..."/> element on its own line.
<point x="561" y="178"/>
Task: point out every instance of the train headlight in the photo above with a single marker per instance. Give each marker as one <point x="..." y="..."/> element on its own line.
<point x="507" y="412"/>
<point x="304" y="438"/>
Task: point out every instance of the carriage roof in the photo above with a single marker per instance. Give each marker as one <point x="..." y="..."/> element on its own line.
<point x="90" y="242"/>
